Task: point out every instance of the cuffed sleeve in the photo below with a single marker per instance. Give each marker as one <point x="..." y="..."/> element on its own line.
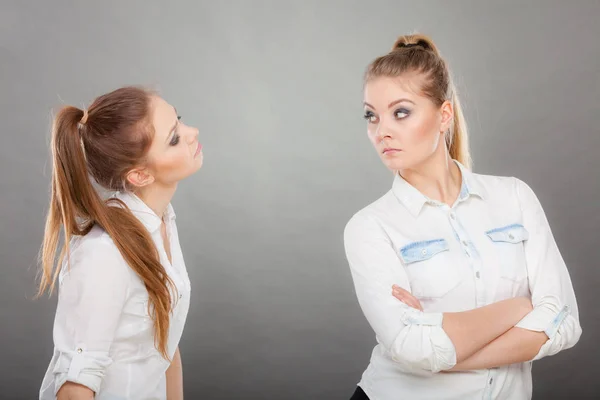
<point x="93" y="290"/>
<point x="415" y="339"/>
<point x="555" y="306"/>
<point x="81" y="366"/>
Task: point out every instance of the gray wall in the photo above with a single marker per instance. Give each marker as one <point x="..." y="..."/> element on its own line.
<point x="275" y="89"/>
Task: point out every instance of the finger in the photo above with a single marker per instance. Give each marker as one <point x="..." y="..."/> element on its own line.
<point x="411" y="302"/>
<point x="407" y="298"/>
<point x="420" y="306"/>
<point x="415" y="304"/>
<point x="409" y="295"/>
<point x="399" y="290"/>
<point x="398" y="295"/>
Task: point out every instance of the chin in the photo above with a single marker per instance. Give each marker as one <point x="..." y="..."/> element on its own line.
<point x="396" y="165"/>
<point x="404" y="161"/>
<point x="198" y="161"/>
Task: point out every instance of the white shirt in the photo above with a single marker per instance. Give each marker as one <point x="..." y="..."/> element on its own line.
<point x="494" y="243"/>
<point x="103" y="334"/>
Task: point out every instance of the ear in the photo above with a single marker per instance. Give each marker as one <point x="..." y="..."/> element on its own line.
<point x="447" y="112"/>
<point x="139" y="177"/>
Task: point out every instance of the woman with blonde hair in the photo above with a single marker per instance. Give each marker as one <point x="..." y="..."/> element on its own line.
<point x="457" y="273"/>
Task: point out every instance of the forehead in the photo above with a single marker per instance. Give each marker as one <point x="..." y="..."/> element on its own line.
<point x="163" y="116"/>
<point x="385" y="89"/>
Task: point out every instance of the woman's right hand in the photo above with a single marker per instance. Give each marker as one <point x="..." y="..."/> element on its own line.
<point x="406" y="297"/>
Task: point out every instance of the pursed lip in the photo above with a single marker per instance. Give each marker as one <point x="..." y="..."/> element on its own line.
<point x="198" y="150"/>
<point x="390" y="150"/>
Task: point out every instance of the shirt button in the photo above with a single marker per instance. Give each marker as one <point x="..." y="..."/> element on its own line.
<point x="180" y="295"/>
<point x="424" y="252"/>
<point x="79" y="350"/>
<point x="511" y="236"/>
<point x="465" y="243"/>
<point x="491" y="380"/>
<point x="452" y="216"/>
<point x="477" y="274"/>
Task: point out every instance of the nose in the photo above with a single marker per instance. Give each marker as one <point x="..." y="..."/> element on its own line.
<point x="382" y="132"/>
<point x="193" y="134"/>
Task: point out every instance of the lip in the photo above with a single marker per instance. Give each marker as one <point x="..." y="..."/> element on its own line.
<point x="198" y="150"/>
<point x="390" y="150"/>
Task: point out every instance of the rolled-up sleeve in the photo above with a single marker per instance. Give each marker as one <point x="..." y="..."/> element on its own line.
<point x="91" y="297"/>
<point x="555" y="306"/>
<point x="415" y="339"/>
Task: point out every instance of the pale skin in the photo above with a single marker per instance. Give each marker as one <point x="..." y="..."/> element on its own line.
<point x="174" y="154"/>
<point x="407" y="129"/>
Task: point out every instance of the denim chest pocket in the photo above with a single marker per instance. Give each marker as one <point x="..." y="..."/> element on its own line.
<point x="430" y="273"/>
<point x="509" y="250"/>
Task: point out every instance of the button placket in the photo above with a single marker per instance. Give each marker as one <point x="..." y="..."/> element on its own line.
<point x="470" y="251"/>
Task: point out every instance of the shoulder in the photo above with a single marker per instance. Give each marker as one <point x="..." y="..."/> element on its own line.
<point x="505" y="190"/>
<point x="96" y="255"/>
<point x="497" y="185"/>
<point x="494" y="183"/>
<point x="366" y="221"/>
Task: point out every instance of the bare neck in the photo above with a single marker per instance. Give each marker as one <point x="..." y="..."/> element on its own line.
<point x="438" y="178"/>
<point x="157" y="197"/>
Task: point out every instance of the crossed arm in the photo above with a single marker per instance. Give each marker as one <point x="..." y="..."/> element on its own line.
<point x="513" y="345"/>
<point x="506" y="332"/>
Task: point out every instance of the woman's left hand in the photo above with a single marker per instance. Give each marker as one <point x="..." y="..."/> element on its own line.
<point x="406" y="297"/>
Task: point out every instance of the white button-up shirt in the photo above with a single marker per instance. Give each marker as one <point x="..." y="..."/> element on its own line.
<point x="494" y="243"/>
<point x="103" y="334"/>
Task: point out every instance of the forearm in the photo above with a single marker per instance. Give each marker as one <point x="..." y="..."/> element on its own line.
<point x="517" y="345"/>
<point x="472" y="330"/>
<point x="74" y="391"/>
<point x="175" y="378"/>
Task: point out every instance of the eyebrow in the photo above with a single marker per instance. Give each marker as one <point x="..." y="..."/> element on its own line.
<point x="393" y="103"/>
<point x="174" y="126"/>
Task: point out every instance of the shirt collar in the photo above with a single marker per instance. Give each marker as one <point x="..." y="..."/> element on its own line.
<point x="469" y="186"/>
<point x="414" y="200"/>
<point x="144" y="213"/>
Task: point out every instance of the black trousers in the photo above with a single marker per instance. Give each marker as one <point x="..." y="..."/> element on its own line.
<point x="359" y="394"/>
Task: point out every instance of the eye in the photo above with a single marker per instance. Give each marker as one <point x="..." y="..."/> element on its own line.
<point x="401" y="113"/>
<point x="370" y="117"/>
<point x="175" y="138"/>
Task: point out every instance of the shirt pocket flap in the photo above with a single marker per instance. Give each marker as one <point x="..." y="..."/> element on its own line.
<point x="514" y="233"/>
<point x="423" y="250"/>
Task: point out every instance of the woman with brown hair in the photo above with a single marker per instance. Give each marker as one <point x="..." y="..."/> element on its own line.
<point x="123" y="286"/>
<point x="457" y="273"/>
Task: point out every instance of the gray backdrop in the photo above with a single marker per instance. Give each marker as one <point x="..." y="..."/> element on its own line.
<point x="275" y="89"/>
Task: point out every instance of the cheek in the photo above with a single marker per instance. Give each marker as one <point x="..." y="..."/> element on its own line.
<point x="372" y="132"/>
<point x="421" y="132"/>
<point x="170" y="161"/>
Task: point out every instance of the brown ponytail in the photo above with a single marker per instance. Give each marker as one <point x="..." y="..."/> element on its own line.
<point x="418" y="53"/>
<point x="114" y="139"/>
